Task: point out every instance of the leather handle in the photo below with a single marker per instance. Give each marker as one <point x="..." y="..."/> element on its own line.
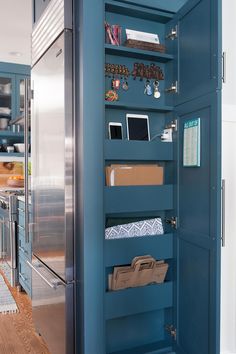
<point x="138" y="262"/>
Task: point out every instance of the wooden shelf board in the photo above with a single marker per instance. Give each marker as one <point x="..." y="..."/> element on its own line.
<point x="137" y="107"/>
<point x="159" y="347"/>
<point x="125" y="150"/>
<point x="137" y="11"/>
<point x="142" y="299"/>
<point x="9" y="133"/>
<point x="137" y="53"/>
<point x="122" y="251"/>
<point x="135" y="199"/>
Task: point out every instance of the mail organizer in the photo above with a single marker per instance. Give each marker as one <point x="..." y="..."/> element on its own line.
<point x="144" y="270"/>
<point x="148" y="227"/>
<point x="134" y="175"/>
<point x="132" y="43"/>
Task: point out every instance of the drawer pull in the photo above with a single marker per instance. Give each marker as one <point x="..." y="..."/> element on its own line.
<point x="23" y="250"/>
<point x="22" y="210"/>
<point x="21" y="227"/>
<point x="53" y="284"/>
<point x="22" y="277"/>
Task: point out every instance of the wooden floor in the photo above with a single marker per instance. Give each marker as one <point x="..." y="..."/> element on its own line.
<point x="17" y="335"/>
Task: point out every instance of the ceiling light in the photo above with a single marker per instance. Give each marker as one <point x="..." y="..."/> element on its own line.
<point x="16" y="54"/>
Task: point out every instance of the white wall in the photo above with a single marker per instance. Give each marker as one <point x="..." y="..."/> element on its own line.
<point x="228" y="272"/>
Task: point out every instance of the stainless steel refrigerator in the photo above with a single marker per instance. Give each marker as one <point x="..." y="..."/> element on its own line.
<point x="52" y="191"/>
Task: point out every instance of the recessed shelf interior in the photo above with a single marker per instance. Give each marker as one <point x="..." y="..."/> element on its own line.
<point x="135" y="317"/>
<point x="137" y="11"/>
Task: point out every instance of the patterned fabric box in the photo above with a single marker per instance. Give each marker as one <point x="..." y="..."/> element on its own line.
<point x="135" y="229"/>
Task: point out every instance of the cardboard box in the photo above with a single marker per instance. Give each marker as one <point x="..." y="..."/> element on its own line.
<point x="134" y="175"/>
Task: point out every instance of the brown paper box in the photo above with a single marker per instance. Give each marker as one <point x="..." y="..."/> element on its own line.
<point x="134" y="175"/>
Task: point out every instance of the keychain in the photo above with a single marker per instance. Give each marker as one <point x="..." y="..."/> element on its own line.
<point x="125" y="72"/>
<point x="115" y="84"/>
<point x="125" y="85"/>
<point x="148" y="88"/>
<point x="157" y="93"/>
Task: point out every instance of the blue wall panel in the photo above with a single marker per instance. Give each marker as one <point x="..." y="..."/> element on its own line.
<point x="89" y="132"/>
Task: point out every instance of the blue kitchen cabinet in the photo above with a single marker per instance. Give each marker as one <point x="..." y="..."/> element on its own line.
<point x="12" y="98"/>
<point x="182" y="314"/>
<point x="24" y="249"/>
<point x="11" y="89"/>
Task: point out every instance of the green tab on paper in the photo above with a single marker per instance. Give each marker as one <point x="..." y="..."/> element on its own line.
<point x="192" y="143"/>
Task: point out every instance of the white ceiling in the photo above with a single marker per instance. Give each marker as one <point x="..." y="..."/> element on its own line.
<point x="15" y="33"/>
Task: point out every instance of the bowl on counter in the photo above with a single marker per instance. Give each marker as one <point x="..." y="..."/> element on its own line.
<point x="5" y="111"/>
<point x="10" y="149"/>
<point x="16" y="181"/>
<point x="20" y="147"/>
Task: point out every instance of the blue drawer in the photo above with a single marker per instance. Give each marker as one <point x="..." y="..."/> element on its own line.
<point x="21" y="217"/>
<point x="25" y="274"/>
<point x="21" y="206"/>
<point x="24" y="247"/>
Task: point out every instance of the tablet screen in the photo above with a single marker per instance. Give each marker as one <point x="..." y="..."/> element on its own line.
<point x="115" y="132"/>
<point x="138" y="128"/>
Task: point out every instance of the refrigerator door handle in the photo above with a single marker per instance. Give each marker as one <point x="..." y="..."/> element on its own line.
<point x="54" y="284"/>
<point x="26" y="156"/>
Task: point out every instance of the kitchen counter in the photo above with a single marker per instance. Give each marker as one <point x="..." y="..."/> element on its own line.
<point x="22" y="198"/>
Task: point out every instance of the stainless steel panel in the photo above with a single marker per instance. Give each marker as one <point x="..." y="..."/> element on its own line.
<point x="52" y="305"/>
<point x="52" y="156"/>
<point x="56" y="17"/>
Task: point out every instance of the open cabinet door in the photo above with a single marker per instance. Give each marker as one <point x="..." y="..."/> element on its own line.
<point x="198" y="155"/>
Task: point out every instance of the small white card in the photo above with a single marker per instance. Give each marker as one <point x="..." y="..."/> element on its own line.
<point x="192" y="143"/>
<point x="142" y="36"/>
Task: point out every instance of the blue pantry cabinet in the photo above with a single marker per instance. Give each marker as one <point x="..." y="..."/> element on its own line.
<point x="182" y="315"/>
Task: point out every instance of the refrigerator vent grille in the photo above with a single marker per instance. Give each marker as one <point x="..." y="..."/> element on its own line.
<point x="56" y="17"/>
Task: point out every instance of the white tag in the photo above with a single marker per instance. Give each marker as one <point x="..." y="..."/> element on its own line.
<point x="157" y="94"/>
<point x="167" y="136"/>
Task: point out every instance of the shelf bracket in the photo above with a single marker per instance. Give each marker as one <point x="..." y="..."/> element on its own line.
<point x="173" y="222"/>
<point x="171" y="330"/>
<point x="173" y="33"/>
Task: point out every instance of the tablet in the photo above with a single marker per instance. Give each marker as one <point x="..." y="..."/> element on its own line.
<point x="115" y="130"/>
<point x="137" y="127"/>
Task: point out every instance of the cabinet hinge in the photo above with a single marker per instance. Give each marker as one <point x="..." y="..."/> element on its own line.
<point x="173" y="88"/>
<point x="173" y="33"/>
<point x="171" y="330"/>
<point x="173" y="222"/>
<point x="172" y="125"/>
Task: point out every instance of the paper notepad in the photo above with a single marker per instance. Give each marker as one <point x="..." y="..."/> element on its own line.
<point x="192" y="144"/>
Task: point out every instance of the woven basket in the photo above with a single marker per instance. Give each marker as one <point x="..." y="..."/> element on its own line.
<point x="131" y="43"/>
